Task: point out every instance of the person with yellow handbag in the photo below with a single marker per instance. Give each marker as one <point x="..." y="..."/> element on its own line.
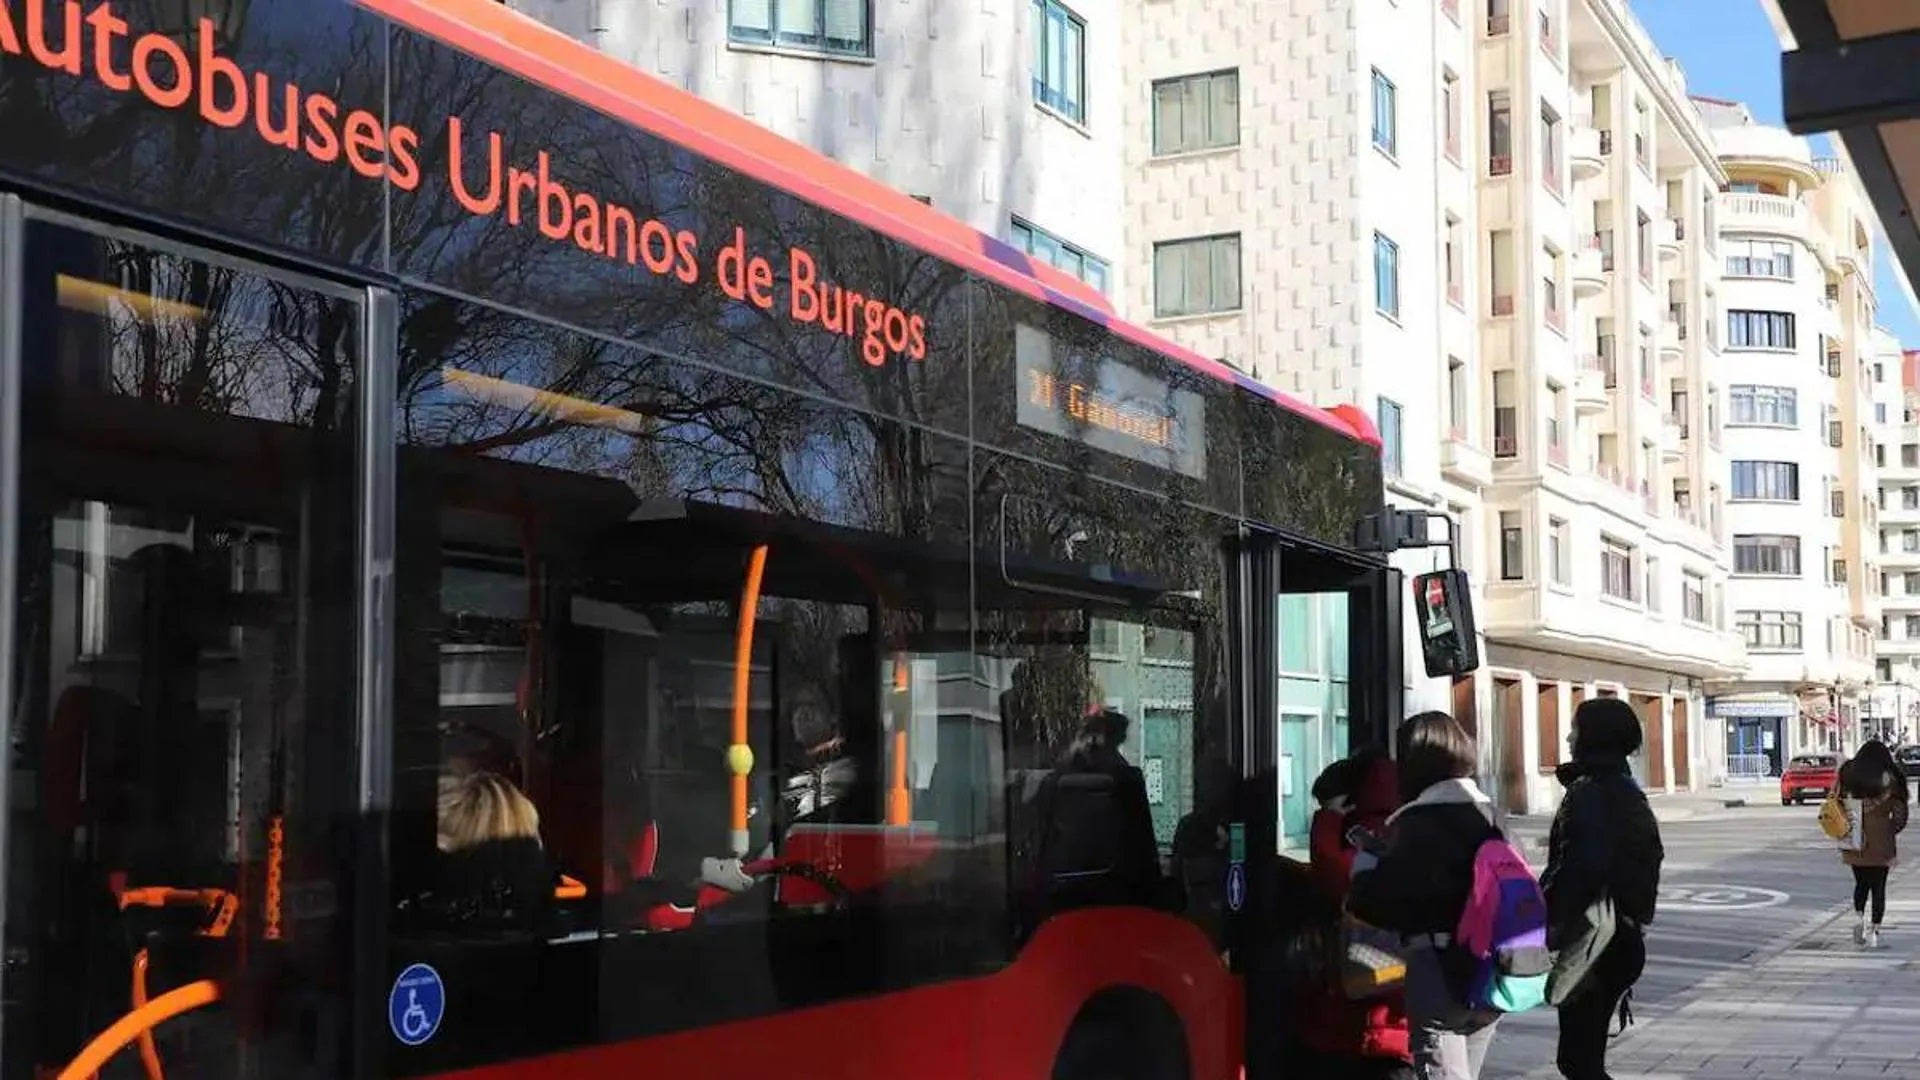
<point x="1866" y="813"/>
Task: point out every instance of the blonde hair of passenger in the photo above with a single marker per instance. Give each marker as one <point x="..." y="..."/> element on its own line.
<point x="483" y="806"/>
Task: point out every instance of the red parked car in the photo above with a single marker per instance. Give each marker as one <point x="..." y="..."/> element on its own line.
<point x="1809" y="776"/>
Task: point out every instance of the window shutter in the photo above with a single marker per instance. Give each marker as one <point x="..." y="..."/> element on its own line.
<point x="1223" y="128"/>
<point x="1226" y="274"/>
<point x="753" y="16"/>
<point x="847" y="22"/>
<point x="798" y="18"/>
<point x="1167" y="99"/>
<point x="1169" y="280"/>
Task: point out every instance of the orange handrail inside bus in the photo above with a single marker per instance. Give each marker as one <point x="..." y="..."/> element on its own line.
<point x="739" y="754"/>
<point x="899" y="802"/>
<point x="142" y="1020"/>
<point x="149" y="1053"/>
<point x="569" y="888"/>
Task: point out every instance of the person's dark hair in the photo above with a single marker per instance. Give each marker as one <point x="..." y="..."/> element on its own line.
<point x="1433" y="747"/>
<point x="1334" y="780"/>
<point x="1605" y="727"/>
<point x="1873" y="773"/>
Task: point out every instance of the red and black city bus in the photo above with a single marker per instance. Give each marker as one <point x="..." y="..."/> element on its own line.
<point x="393" y="391"/>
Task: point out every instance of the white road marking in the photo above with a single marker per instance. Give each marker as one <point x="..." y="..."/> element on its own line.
<point x="1714" y="898"/>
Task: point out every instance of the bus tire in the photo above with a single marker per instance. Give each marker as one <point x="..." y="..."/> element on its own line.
<point x="1124" y="1033"/>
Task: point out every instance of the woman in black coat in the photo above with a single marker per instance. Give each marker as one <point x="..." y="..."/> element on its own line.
<point x="1604" y="845"/>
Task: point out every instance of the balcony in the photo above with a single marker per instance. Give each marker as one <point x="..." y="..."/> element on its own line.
<point x="1767" y="213"/>
<point x="1673" y="333"/>
<point x="1673" y="437"/>
<point x="1589" y="268"/>
<point x="1666" y="236"/>
<point x="1590" y="386"/>
<point x="1464" y="463"/>
<point x="1584" y="156"/>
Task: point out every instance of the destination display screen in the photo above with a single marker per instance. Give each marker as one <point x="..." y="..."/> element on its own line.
<point x="1108" y="405"/>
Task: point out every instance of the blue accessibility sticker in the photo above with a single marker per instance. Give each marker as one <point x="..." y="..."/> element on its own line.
<point x="416" y="1005"/>
<point x="1236" y="886"/>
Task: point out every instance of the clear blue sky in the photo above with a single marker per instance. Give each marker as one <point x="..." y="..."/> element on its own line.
<point x="1729" y="50"/>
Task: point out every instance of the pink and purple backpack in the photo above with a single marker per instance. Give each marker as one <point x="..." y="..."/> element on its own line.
<point x="1502" y="934"/>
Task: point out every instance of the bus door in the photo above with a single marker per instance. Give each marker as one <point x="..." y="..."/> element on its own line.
<point x="1320" y="633"/>
<point x="182" y="611"/>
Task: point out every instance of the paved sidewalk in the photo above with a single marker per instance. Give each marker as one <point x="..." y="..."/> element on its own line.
<point x="1812" y="1004"/>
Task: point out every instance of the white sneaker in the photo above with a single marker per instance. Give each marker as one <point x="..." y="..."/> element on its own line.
<point x="1873" y="938"/>
<point x="1860" y="930"/>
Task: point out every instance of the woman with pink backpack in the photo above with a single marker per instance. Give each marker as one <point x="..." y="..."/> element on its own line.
<point x="1422" y="884"/>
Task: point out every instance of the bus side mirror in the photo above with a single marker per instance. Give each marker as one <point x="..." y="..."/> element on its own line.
<point x="1444" y="610"/>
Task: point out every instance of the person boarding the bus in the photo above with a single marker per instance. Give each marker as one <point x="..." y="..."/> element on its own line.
<point x="1420" y="887"/>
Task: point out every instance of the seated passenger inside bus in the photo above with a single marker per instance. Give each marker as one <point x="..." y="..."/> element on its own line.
<point x="492" y="872"/>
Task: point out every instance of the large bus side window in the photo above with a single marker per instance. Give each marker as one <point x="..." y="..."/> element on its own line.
<point x="1106" y="625"/>
<point x="185" y="651"/>
<point x="626" y="580"/>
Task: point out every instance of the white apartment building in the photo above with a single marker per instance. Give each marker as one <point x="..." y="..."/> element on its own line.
<point x="1894" y="705"/>
<point x="1002" y="113"/>
<point x="1290" y="173"/>
<point x="1532" y="141"/>
<point x="1610" y="569"/>
<point x="1802" y="500"/>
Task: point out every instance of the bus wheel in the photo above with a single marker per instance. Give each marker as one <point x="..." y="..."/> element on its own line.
<point x="1123" y="1034"/>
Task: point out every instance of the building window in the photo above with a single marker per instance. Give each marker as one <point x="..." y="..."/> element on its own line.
<point x="1196" y="277"/>
<point x="1770" y="406"/>
<point x="1499" y="133"/>
<point x="1550" y="289"/>
<point x="1513" y="547"/>
<point x="1760" y="258"/>
<point x="1556" y="439"/>
<point x="1506" y="416"/>
<point x="1559" y="538"/>
<point x="1653" y="584"/>
<point x="1386" y="119"/>
<point x="1196" y="112"/>
<point x="1769" y="631"/>
<point x="1550" y="146"/>
<point x="1643" y="239"/>
<point x="1457" y="397"/>
<point x="1499" y="17"/>
<point x="1837" y="502"/>
<point x="1693" y="597"/>
<point x="1616" y="568"/>
<point x="1056" y="252"/>
<point x="1450" y="114"/>
<point x="1390" y="437"/>
<point x="1766" y="555"/>
<point x="1766" y="481"/>
<point x="1455" y="271"/>
<point x="834" y="27"/>
<point x="1386" y="276"/>
<point x="1760" y="329"/>
<point x="1641" y="137"/>
<point x="1059" y="60"/>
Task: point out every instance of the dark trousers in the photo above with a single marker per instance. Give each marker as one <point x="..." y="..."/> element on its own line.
<point x="1586" y="1020"/>
<point x="1870" y="883"/>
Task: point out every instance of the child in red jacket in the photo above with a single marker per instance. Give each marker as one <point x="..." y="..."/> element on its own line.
<point x="1365" y="1038"/>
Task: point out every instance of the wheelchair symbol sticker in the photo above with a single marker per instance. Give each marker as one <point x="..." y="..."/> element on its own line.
<point x="416" y="1005"/>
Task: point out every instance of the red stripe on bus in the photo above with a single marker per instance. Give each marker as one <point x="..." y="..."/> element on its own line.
<point x="516" y="43"/>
